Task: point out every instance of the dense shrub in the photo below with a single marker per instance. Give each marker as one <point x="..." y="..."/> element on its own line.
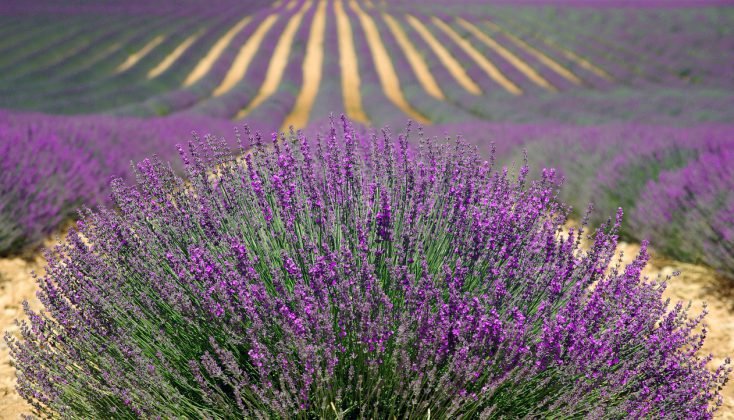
<point x="342" y="279"/>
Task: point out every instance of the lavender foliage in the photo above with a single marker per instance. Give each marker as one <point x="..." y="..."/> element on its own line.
<point x="350" y="277"/>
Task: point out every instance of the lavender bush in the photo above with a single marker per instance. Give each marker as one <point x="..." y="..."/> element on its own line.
<point x="350" y="278"/>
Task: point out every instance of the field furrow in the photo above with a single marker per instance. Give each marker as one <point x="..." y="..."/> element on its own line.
<point x="349" y="63"/>
<point x="174" y="55"/>
<point x="481" y="60"/>
<point x="539" y="55"/>
<point x="443" y="54"/>
<point x="278" y="62"/>
<point x="526" y="70"/>
<point x="206" y="63"/>
<point x="384" y="67"/>
<point x="313" y="65"/>
<point x="417" y="63"/>
<point x="244" y="57"/>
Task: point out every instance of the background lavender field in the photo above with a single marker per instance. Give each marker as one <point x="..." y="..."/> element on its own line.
<point x="632" y="102"/>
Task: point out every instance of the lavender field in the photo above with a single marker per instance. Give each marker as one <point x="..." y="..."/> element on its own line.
<point x="367" y="209"/>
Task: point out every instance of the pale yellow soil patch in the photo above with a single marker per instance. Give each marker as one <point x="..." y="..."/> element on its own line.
<point x="16" y="285"/>
<point x="483" y="62"/>
<point x="699" y="284"/>
<point x="135" y="57"/>
<point x="581" y="61"/>
<point x="278" y="62"/>
<point x="368" y="4"/>
<point x="171" y="58"/>
<point x="420" y="68"/>
<point x="244" y="57"/>
<point x="291" y="5"/>
<point x="349" y="67"/>
<point x="503" y="52"/>
<point x="549" y="62"/>
<point x="206" y="63"/>
<point x="445" y="57"/>
<point x="385" y="69"/>
<point x="312" y="68"/>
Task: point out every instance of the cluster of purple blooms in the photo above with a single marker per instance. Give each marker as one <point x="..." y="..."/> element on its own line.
<point x="352" y="277"/>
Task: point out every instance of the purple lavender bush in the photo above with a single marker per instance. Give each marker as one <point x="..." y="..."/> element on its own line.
<point x="348" y="278"/>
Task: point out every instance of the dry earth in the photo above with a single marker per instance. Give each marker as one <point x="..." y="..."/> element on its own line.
<point x="695" y="283"/>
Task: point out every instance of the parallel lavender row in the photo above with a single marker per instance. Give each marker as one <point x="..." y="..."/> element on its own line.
<point x="689" y="55"/>
<point x="688" y="46"/>
<point x="312" y="280"/>
<point x="675" y="182"/>
<point x="51" y="166"/>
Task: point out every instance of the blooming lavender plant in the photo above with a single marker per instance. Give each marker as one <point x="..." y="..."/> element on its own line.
<point x="350" y="278"/>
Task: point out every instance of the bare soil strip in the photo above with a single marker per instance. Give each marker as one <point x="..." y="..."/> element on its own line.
<point x="241" y="63"/>
<point x="137" y="56"/>
<point x="206" y="63"/>
<point x="16" y="286"/>
<point x="278" y="62"/>
<point x="349" y="65"/>
<point x="171" y="58"/>
<point x="448" y="60"/>
<point x="503" y="52"/>
<point x="420" y="68"/>
<point x="483" y="62"/>
<point x="549" y="62"/>
<point x="581" y="61"/>
<point x="313" y="65"/>
<point x="383" y="64"/>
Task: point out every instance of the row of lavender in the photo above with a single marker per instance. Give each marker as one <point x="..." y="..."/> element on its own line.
<point x="675" y="183"/>
<point x="53" y="66"/>
<point x="687" y="46"/>
<point x="51" y="166"/>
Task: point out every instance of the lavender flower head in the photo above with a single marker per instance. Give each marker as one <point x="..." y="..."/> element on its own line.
<point x="350" y="277"/>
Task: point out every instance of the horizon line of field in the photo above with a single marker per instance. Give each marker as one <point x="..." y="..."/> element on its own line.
<point x="313" y="62"/>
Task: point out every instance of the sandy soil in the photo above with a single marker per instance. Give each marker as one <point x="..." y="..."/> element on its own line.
<point x="244" y="58"/>
<point x="420" y="68"/>
<point x="278" y="61"/>
<point x="174" y="55"/>
<point x="383" y="64"/>
<point x="206" y="63"/>
<point x="16" y="285"/>
<point x="445" y="57"/>
<point x="694" y="283"/>
<point x="135" y="57"/>
<point x="349" y="66"/>
<point x="312" y="68"/>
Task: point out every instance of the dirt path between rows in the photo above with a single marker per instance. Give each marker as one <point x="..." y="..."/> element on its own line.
<point x="694" y="283"/>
